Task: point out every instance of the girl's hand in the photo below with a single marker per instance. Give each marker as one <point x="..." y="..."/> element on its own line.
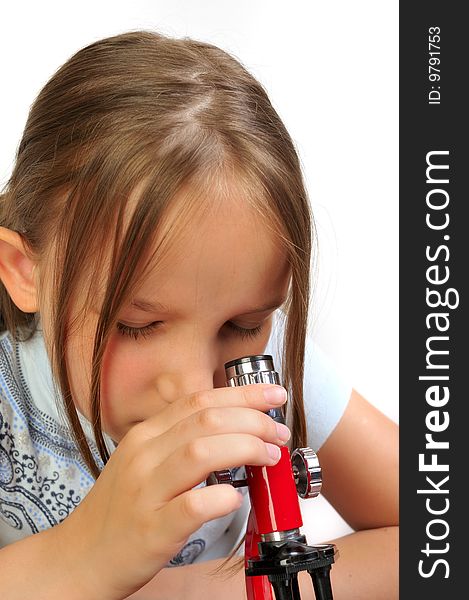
<point x="142" y="507"/>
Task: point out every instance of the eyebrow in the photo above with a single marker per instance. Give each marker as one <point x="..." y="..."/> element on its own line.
<point x="146" y="306"/>
<point x="152" y="307"/>
<point x="265" y="307"/>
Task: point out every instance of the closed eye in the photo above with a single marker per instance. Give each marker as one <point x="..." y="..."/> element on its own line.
<point x="137" y="332"/>
<point x="146" y="330"/>
<point x="243" y="332"/>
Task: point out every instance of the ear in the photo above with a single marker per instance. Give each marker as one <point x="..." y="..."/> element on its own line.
<point x="17" y="271"/>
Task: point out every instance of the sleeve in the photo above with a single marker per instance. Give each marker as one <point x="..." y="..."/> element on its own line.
<point x="326" y="392"/>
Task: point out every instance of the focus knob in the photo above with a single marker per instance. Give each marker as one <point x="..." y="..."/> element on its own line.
<point x="225" y="476"/>
<point x="217" y="477"/>
<point x="306" y="472"/>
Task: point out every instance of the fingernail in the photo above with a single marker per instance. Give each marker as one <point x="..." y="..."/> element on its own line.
<point x="274" y="452"/>
<point x="276" y="395"/>
<point x="283" y="432"/>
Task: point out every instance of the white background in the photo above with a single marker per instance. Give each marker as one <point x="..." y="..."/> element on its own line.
<point x="330" y="69"/>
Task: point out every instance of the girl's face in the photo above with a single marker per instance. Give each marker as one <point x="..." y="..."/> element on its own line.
<point x="209" y="300"/>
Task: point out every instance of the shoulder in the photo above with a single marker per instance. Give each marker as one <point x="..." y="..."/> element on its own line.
<point x="20" y="419"/>
<point x="24" y="371"/>
<point x="42" y="475"/>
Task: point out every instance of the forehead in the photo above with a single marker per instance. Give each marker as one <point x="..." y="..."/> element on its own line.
<point x="218" y="241"/>
<point x="221" y="216"/>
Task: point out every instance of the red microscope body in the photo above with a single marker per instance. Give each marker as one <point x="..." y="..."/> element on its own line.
<point x="275" y="550"/>
<point x="274" y="508"/>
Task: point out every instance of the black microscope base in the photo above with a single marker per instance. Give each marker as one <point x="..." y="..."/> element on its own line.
<point x="282" y="561"/>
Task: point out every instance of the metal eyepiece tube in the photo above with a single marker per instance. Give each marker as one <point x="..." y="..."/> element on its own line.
<point x="254" y="369"/>
<point x="251" y="369"/>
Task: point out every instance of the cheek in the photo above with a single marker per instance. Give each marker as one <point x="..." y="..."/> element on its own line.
<point x="122" y="381"/>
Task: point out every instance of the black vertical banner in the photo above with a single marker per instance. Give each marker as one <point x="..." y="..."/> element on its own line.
<point x="434" y="268"/>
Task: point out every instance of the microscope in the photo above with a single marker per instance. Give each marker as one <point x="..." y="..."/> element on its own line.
<point x="275" y="550"/>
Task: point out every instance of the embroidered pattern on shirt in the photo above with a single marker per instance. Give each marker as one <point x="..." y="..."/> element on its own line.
<point x="42" y="475"/>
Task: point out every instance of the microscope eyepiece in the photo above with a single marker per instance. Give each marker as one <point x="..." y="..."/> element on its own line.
<point x="258" y="368"/>
<point x="251" y="369"/>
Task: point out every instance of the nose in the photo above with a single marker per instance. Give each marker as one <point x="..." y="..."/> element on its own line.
<point x="189" y="372"/>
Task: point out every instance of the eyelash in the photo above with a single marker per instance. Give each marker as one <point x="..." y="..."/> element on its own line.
<point x="245" y="334"/>
<point x="143" y="332"/>
<point x="137" y="332"/>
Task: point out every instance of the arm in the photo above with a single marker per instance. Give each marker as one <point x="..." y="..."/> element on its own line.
<point x="360" y="461"/>
<point x="197" y="582"/>
<point x="49" y="575"/>
<point x="367" y="567"/>
<point x="38" y="567"/>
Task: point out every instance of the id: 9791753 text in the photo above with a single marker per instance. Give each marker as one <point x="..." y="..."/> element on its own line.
<point x="434" y="75"/>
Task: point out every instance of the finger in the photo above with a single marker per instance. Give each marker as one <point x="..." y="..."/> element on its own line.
<point x="256" y="396"/>
<point x="191" y="463"/>
<point x="186" y="513"/>
<point x="215" y="421"/>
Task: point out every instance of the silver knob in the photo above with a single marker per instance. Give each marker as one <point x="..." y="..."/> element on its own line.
<point x="225" y="476"/>
<point x="217" y="477"/>
<point x="306" y="472"/>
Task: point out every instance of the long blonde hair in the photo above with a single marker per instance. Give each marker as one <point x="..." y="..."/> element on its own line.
<point x="142" y="110"/>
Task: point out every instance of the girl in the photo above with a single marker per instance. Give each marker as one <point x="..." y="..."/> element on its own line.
<point x="154" y="225"/>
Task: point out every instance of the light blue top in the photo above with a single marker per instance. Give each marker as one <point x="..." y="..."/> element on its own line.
<point x="43" y="477"/>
